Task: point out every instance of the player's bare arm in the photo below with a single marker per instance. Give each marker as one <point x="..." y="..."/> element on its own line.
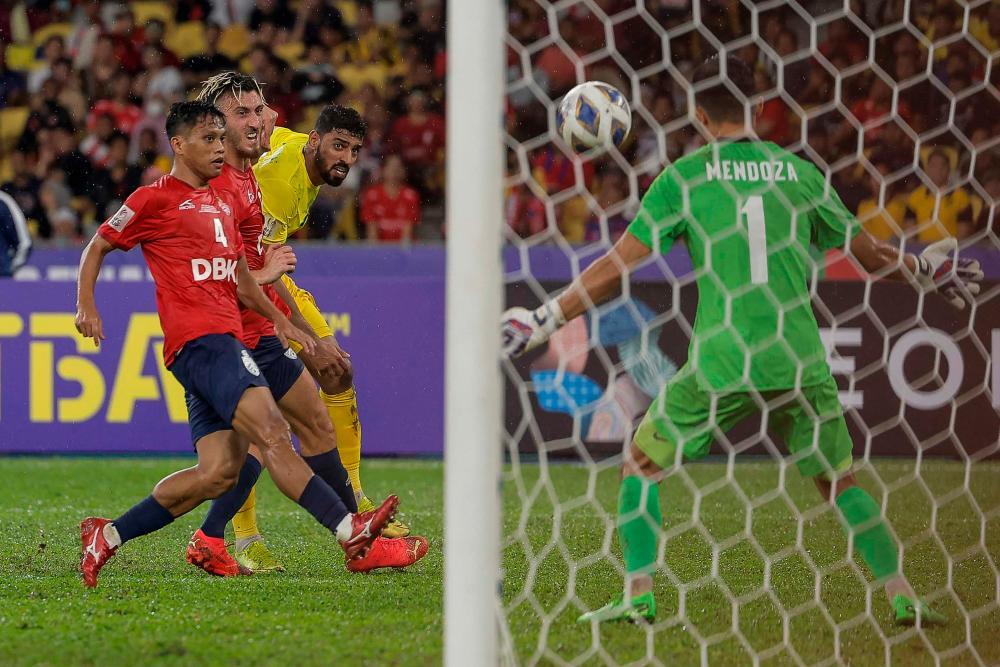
<point x="525" y="329"/>
<point x="278" y="260"/>
<point x="252" y="297"/>
<point x="88" y="320"/>
<point x="328" y="358"/>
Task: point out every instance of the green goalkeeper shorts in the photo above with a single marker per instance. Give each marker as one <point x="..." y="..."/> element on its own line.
<point x="810" y="422"/>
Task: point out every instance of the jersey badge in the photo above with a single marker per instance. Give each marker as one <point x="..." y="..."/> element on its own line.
<point x="186" y="205"/>
<point x="250" y="364"/>
<point x="121" y="218"/>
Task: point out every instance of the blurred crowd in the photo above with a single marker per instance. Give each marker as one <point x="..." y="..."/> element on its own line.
<point x="897" y="107"/>
<point x="911" y="140"/>
<point x="85" y="85"/>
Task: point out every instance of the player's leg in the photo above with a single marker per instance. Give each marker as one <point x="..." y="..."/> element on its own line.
<point x="303" y="409"/>
<point x="219" y="460"/>
<point x="257" y="417"/>
<point x="813" y="426"/>
<point x="341" y="403"/>
<point x="678" y="427"/>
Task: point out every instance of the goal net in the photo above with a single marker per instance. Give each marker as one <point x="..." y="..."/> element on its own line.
<point x="895" y="102"/>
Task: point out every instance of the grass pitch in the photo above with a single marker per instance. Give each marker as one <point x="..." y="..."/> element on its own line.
<point x="560" y="559"/>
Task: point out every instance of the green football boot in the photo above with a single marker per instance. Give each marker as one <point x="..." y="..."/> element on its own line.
<point x="908" y="610"/>
<point x="640" y="609"/>
<point x="258" y="559"/>
<point x="392" y="529"/>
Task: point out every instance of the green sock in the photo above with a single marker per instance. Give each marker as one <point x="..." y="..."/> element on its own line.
<point x="871" y="537"/>
<point x="639" y="522"/>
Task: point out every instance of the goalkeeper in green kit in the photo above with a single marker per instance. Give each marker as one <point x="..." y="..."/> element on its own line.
<point x="747" y="211"/>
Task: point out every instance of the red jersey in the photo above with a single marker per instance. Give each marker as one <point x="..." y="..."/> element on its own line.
<point x="241" y="190"/>
<point x="390" y="215"/>
<point x="191" y="244"/>
<point x="418" y="143"/>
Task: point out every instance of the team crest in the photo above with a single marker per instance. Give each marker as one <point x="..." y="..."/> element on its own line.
<point x="225" y="207"/>
<point x="290" y="353"/>
<point x="249" y="363"/>
<point x="118" y="221"/>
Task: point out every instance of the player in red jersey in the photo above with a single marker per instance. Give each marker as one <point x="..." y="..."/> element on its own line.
<point x="239" y="97"/>
<point x="189" y="239"/>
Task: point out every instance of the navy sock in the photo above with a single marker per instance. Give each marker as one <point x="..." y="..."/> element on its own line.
<point x="225" y="507"/>
<point x="145" y="517"/>
<point x="332" y="471"/>
<point x="320" y="500"/>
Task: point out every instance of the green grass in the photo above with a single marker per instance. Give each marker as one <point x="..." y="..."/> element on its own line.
<point x="560" y="559"/>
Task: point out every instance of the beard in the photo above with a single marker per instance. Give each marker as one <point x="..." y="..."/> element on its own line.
<point x="326" y="171"/>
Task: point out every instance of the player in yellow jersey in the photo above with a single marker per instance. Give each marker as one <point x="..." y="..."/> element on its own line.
<point x="290" y="175"/>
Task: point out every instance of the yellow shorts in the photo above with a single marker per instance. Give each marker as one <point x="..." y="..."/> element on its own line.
<point x="307" y="306"/>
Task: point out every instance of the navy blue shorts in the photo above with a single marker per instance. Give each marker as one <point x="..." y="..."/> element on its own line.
<point x="215" y="370"/>
<point x="281" y="367"/>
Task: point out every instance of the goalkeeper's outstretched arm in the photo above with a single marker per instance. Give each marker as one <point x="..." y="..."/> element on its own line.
<point x="937" y="268"/>
<point x="525" y="329"/>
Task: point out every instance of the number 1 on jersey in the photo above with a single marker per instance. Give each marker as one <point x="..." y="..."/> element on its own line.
<point x="756" y="238"/>
<point x="220" y="235"/>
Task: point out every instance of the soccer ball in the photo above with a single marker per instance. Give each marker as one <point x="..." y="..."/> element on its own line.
<point x="593" y="115"/>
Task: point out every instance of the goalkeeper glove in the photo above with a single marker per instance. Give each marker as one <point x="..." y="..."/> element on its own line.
<point x="940" y="270"/>
<point x="523" y="330"/>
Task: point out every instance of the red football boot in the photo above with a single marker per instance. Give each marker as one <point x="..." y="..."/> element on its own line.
<point x="95" y="550"/>
<point x="395" y="552"/>
<point x="209" y="553"/>
<point x="366" y="526"/>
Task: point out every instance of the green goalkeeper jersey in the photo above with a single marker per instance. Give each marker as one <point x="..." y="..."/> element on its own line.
<point x="748" y="212"/>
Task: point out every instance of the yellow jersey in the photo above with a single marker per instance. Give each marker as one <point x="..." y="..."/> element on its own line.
<point x="883" y="223"/>
<point x="286" y="192"/>
<point x="955" y="208"/>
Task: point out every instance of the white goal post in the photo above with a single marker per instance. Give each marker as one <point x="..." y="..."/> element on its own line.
<point x="473" y="417"/>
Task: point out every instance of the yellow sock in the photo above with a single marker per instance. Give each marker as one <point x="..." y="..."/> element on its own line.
<point x="343" y="410"/>
<point x="245" y="521"/>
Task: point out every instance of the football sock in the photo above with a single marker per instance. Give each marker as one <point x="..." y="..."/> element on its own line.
<point x="343" y="411"/>
<point x="225" y="507"/>
<point x="330" y="469"/>
<point x="871" y="537"/>
<point x="245" y="521"/>
<point x="322" y="502"/>
<point x="639" y="522"/>
<point x="143" y="518"/>
<point x="111" y="535"/>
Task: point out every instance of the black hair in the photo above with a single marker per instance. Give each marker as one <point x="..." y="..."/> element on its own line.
<point x="337" y="117"/>
<point x="185" y="115"/>
<point x="717" y="99"/>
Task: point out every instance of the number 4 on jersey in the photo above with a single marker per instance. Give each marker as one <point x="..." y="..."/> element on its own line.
<point x="220" y="235"/>
<point x="756" y="238"/>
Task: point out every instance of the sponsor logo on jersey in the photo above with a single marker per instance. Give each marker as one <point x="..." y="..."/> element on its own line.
<point x="118" y="221"/>
<point x="290" y="353"/>
<point x="208" y="208"/>
<point x="250" y="364"/>
<point x="186" y="205"/>
<point x="217" y="268"/>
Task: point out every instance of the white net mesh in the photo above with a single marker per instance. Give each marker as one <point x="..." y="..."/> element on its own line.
<point x="896" y="102"/>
